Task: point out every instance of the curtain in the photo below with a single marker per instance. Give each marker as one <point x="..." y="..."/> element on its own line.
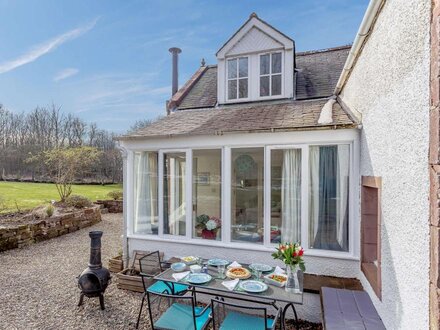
<point x="177" y="197"/>
<point x="146" y="192"/>
<point x="314" y="195"/>
<point x="342" y="186"/>
<point x="329" y="175"/>
<point x="291" y="196"/>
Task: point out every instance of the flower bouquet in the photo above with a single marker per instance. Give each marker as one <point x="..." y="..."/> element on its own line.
<point x="292" y="256"/>
<point x="207" y="227"/>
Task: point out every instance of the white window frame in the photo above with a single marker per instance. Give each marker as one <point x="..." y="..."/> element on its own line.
<point x="188" y="194"/>
<point x="237" y="79"/>
<point x="225" y="242"/>
<point x="259" y="75"/>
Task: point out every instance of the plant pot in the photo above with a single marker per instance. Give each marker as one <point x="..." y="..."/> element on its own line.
<point x="208" y="234"/>
<point x="115" y="264"/>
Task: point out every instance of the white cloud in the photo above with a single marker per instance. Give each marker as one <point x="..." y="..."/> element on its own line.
<point x="46" y="47"/>
<point x="66" y="73"/>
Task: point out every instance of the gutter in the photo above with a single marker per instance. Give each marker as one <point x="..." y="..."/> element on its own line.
<point x="370" y="17"/>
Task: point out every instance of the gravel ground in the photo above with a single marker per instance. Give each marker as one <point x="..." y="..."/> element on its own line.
<point x="38" y="288"/>
<point x="39" y="291"/>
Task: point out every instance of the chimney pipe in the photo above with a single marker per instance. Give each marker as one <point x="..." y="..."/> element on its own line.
<point x="175" y="52"/>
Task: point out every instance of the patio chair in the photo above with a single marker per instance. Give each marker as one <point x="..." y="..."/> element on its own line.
<point x="150" y="265"/>
<point x="229" y="316"/>
<point x="181" y="312"/>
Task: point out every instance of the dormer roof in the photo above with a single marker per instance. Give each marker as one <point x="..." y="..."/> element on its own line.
<point x="255" y="35"/>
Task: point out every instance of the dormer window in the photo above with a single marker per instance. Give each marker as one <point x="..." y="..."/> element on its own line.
<point x="255" y="64"/>
<point x="270" y="74"/>
<point x="238" y="82"/>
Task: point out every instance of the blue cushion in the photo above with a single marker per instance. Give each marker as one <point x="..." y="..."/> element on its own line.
<point x="180" y="317"/>
<point x="239" y="321"/>
<point x="161" y="287"/>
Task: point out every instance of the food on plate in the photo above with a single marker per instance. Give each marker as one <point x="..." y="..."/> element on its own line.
<point x="189" y="259"/>
<point x="278" y="278"/>
<point x="238" y="272"/>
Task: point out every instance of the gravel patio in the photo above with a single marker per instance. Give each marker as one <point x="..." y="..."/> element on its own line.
<point x="39" y="288"/>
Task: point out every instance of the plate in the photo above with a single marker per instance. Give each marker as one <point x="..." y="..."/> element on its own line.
<point x="198" y="278"/>
<point x="190" y="260"/>
<point x="238" y="272"/>
<point x="260" y="267"/>
<point x="268" y="279"/>
<point x="178" y="266"/>
<point x="253" y="286"/>
<point x="217" y="262"/>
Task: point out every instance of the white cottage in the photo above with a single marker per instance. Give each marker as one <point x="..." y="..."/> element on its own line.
<point x="325" y="147"/>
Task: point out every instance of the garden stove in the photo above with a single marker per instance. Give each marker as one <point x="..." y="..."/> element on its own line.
<point x="94" y="280"/>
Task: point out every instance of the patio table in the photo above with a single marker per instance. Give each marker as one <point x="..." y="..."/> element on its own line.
<point x="215" y="287"/>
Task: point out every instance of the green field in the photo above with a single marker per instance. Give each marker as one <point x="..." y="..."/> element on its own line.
<point x="30" y="195"/>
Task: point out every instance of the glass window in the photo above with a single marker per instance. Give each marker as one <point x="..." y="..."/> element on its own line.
<point x="285" y="193"/>
<point x="238" y="78"/>
<point x="247" y="203"/>
<point x="174" y="194"/>
<point x="207" y="194"/>
<point x="145" y="193"/>
<point x="232" y="69"/>
<point x="276" y="84"/>
<point x="270" y="74"/>
<point x="328" y="198"/>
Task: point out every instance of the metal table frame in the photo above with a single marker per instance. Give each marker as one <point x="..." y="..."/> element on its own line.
<point x="216" y="289"/>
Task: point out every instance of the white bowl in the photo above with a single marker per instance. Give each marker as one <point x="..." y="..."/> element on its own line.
<point x="195" y="269"/>
<point x="270" y="281"/>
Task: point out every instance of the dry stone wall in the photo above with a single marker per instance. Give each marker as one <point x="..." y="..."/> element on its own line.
<point x="25" y="234"/>
<point x="113" y="206"/>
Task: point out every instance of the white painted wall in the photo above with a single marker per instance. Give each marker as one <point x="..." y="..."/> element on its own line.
<point x="390" y="87"/>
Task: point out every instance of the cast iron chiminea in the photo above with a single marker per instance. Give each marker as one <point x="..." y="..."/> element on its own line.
<point x="94" y="280"/>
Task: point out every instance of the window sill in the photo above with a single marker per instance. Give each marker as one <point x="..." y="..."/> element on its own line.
<point x="244" y="246"/>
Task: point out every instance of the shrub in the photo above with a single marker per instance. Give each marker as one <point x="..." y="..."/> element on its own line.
<point x="78" y="201"/>
<point x="49" y="210"/>
<point x="115" y="194"/>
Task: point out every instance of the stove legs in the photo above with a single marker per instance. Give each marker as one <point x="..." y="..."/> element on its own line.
<point x="101" y="300"/>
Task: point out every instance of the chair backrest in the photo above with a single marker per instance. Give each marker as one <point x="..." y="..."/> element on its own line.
<point x="150" y="264"/>
<point x="227" y="315"/>
<point x="171" y="311"/>
<point x="137" y="254"/>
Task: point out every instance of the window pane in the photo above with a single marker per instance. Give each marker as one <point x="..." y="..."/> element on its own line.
<point x="247" y="218"/>
<point x="232" y="89"/>
<point x="276" y="63"/>
<point x="243" y="67"/>
<point x="276" y="85"/>
<point x="285" y="204"/>
<point x="207" y="194"/>
<point x="328" y="200"/>
<point x="264" y="64"/>
<point x="242" y="88"/>
<point x="145" y="192"/>
<point x="174" y="193"/>
<point x="232" y="69"/>
<point x="264" y="86"/>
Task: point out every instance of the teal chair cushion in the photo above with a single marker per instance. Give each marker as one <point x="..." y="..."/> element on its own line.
<point x="160" y="287"/>
<point x="239" y="321"/>
<point x="180" y="317"/>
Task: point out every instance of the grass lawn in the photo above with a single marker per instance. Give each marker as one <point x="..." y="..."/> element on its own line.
<point x="30" y="195"/>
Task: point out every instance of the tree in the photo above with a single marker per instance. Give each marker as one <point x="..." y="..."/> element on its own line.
<point x="67" y="164"/>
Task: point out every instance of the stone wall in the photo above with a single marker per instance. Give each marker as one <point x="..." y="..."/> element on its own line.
<point x="113" y="206"/>
<point x="41" y="230"/>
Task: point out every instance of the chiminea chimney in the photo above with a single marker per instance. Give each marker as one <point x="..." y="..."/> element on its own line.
<point x="175" y="51"/>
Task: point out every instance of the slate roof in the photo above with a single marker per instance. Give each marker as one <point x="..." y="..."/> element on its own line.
<point x="318" y="73"/>
<point x="254" y="117"/>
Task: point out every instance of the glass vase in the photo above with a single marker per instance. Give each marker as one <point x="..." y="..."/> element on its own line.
<point x="292" y="284"/>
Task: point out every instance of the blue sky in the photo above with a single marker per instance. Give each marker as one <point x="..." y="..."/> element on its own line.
<point x="107" y="61"/>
